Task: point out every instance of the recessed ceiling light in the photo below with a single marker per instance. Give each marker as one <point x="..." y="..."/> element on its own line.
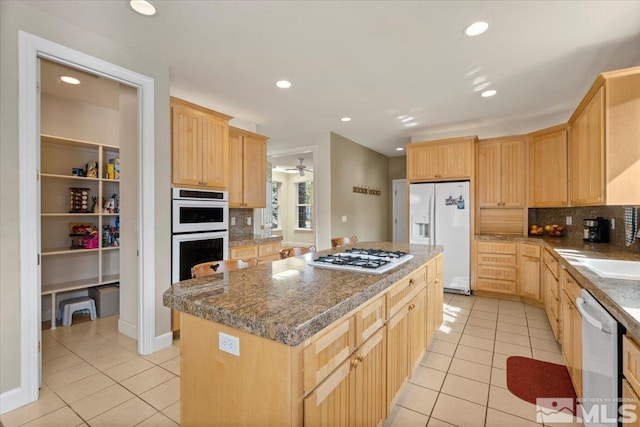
<point x="143" y="7"/>
<point x="476" y="28"/>
<point x="283" y="84"/>
<point x="400" y="149"/>
<point x="346" y="119"/>
<point x="406" y="119"/>
<point x="488" y="93"/>
<point x="70" y="80"/>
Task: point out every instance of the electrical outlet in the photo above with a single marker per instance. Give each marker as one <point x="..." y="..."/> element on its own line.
<point x="229" y="343"/>
<point x="613" y="223"/>
<point x="344" y="218"/>
<point x="568" y="220"/>
<point x="233" y="220"/>
<point x="248" y="220"/>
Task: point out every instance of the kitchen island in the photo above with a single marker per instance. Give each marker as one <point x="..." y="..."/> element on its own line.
<point x="312" y="342"/>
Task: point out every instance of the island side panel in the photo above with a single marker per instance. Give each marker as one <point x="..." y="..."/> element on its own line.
<point x="260" y="387"/>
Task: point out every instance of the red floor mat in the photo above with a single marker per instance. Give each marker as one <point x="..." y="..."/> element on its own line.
<point x="530" y="379"/>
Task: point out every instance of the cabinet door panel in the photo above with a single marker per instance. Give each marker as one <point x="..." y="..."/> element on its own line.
<point x="215" y="152"/>
<point x="548" y="169"/>
<point x="422" y="162"/>
<point x="370" y="382"/>
<point x="456" y="159"/>
<point x="397" y="360"/>
<point x="329" y="404"/>
<point x="418" y="328"/>
<point x="235" y="170"/>
<point x="254" y="172"/>
<point x="186" y="146"/>
<point x="513" y="170"/>
<point x="529" y="269"/>
<point x="489" y="175"/>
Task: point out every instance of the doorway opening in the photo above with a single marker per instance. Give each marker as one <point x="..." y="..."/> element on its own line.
<point x="291" y="204"/>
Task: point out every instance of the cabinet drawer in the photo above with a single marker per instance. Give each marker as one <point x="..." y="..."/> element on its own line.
<point x="269" y="250"/>
<point x="497" y="248"/>
<point x="496" y="259"/>
<point x="529" y="249"/>
<point x="501" y="286"/>
<point x="327" y="351"/>
<point x="570" y="286"/>
<point x="501" y="273"/>
<point x="406" y="288"/>
<point x="551" y="262"/>
<point x="243" y="252"/>
<point x="369" y="319"/>
<point x="631" y="362"/>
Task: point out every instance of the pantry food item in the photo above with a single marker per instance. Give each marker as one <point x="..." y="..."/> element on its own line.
<point x="536" y="230"/>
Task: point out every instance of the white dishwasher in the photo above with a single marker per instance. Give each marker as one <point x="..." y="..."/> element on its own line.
<point x="600" y="377"/>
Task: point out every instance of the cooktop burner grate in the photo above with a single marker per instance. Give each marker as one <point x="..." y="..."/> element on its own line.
<point x="364" y="260"/>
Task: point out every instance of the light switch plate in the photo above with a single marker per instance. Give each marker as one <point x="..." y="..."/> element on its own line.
<point x="568" y="220"/>
<point x="344" y="218"/>
<point x="248" y="220"/>
<point x="233" y="220"/>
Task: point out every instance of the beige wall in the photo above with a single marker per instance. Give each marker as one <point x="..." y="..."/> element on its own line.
<point x="367" y="215"/>
<point x="15" y="16"/>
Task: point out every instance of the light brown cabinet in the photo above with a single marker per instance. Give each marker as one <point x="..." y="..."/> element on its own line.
<point x="529" y="271"/>
<point x="604" y="154"/>
<point x="200" y="146"/>
<point x="496" y="267"/>
<point x="269" y="251"/>
<point x="548" y="167"/>
<point x="631" y="380"/>
<point x="435" y="297"/>
<point x="247" y="169"/>
<point x="551" y="291"/>
<point x="501" y="172"/>
<point x="572" y="330"/>
<point x="440" y="160"/>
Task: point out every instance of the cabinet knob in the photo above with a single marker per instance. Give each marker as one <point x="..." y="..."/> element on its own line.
<point x="411" y="306"/>
<point x="411" y="282"/>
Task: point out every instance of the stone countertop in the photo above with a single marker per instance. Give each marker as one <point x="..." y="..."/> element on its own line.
<point x="252" y="239"/>
<point x="620" y="297"/>
<point x="287" y="300"/>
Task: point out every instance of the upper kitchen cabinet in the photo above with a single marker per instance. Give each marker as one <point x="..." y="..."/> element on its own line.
<point x="247" y="169"/>
<point x="548" y="167"/>
<point x="501" y="172"/>
<point x="448" y="159"/>
<point x="200" y="141"/>
<point x="604" y="153"/>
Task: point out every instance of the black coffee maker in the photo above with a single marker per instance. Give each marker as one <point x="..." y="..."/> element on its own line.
<point x="596" y="230"/>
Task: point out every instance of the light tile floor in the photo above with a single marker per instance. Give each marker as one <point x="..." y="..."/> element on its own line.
<point x="92" y="375"/>
<point x="461" y="380"/>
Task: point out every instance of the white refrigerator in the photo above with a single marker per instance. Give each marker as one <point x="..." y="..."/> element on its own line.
<point x="439" y="215"/>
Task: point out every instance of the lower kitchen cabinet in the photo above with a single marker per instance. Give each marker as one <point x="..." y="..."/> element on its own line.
<point x="529" y="271"/>
<point x="435" y="297"/>
<point x="496" y="267"/>
<point x="351" y="394"/>
<point x="551" y="292"/>
<point x="572" y="330"/>
<point x="631" y="380"/>
<point x="269" y="251"/>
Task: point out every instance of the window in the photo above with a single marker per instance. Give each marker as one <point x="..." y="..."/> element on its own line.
<point x="304" y="204"/>
<point x="275" y="204"/>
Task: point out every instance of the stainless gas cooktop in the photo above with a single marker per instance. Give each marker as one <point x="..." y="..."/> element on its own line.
<point x="372" y="261"/>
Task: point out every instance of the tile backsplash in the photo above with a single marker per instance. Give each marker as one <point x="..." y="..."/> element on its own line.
<point x="574" y="233"/>
<point x="241" y="229"/>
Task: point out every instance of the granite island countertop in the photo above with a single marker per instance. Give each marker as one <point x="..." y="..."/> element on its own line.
<point x="287" y="300"/>
<point x="620" y="297"/>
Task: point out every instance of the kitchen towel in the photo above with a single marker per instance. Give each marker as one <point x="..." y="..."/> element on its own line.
<point x="630" y="224"/>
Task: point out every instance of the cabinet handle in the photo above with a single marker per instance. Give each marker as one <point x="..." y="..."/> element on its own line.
<point x="411" y="282"/>
<point x="411" y="306"/>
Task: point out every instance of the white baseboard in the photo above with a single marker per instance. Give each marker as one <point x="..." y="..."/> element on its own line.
<point x="15" y="398"/>
<point x="128" y="329"/>
<point x="163" y="341"/>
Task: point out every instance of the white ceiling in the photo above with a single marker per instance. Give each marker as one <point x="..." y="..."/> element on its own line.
<point x="373" y="60"/>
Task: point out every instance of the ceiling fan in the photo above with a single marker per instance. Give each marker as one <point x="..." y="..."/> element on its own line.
<point x="301" y="167"/>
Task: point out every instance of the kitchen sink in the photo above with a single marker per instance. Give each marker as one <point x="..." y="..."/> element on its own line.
<point x="608" y="268"/>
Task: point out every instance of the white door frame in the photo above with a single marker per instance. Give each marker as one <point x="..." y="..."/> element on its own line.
<point x="394" y="214"/>
<point x="30" y="48"/>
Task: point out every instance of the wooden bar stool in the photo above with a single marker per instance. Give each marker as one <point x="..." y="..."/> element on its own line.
<point x="295" y="251"/>
<point x="210" y="267"/>
<point x="336" y="242"/>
